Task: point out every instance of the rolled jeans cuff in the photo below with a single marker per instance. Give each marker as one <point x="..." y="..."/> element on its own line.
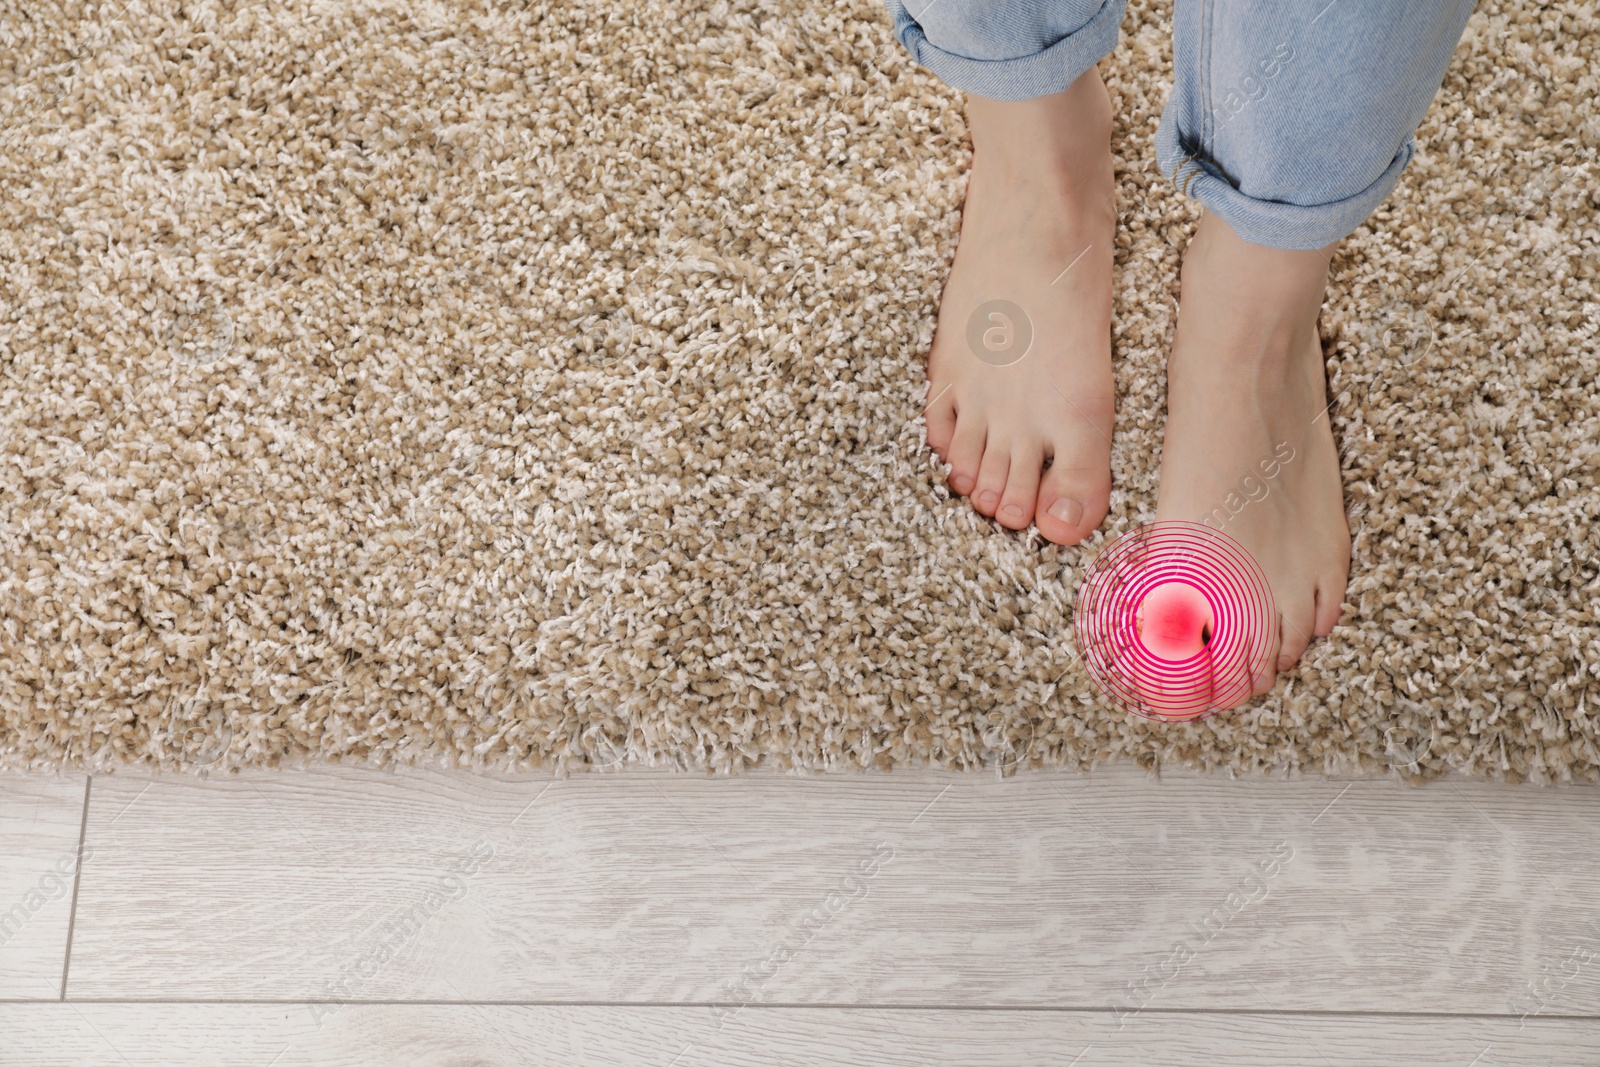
<point x="1274" y="223"/>
<point x="1048" y="71"/>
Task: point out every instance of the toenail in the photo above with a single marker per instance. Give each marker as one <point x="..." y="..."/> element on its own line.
<point x="989" y="499"/>
<point x="961" y="483"/>
<point x="1013" y="511"/>
<point x="1067" y="510"/>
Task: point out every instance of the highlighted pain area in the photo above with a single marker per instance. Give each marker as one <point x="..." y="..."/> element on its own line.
<point x="1174" y="621"/>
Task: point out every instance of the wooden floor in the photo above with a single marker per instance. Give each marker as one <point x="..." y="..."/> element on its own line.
<point x="338" y="917"/>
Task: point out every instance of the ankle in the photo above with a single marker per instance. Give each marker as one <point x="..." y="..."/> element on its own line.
<point x="1046" y="139"/>
<point x="1274" y="276"/>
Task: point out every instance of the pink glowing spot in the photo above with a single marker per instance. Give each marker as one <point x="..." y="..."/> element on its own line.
<point x="1175" y="621"/>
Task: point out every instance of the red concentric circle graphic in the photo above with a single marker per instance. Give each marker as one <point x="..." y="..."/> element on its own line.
<point x="1172" y="620"/>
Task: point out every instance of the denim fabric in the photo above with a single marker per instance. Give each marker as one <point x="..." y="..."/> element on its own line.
<point x="1008" y="49"/>
<point x="1290" y="119"/>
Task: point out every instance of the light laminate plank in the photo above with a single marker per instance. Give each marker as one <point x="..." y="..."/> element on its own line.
<point x="1108" y="890"/>
<point x="169" y="1035"/>
<point x="40" y="818"/>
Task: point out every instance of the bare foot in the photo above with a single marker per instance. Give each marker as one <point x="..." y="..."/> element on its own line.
<point x="1019" y="378"/>
<point x="1249" y="447"/>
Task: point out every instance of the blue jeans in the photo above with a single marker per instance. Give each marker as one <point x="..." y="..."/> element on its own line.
<point x="1289" y="119"/>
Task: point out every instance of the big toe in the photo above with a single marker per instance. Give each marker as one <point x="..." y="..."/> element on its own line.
<point x="1073" y="498"/>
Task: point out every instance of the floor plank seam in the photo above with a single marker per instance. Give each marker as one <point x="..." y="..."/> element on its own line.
<point x="1054" y="1009"/>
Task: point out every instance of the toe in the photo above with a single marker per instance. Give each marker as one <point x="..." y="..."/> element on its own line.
<point x="991" y="477"/>
<point x="1264" y="669"/>
<point x="1329" y="607"/>
<point x="940" y="418"/>
<point x="1330" y="600"/>
<point x="1297" y="618"/>
<point x="966" y="454"/>
<point x="1243" y="673"/>
<point x="1250" y="671"/>
<point x="1022" y="487"/>
<point x="1072" y="500"/>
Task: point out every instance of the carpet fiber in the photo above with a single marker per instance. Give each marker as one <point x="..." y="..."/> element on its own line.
<point x="405" y="383"/>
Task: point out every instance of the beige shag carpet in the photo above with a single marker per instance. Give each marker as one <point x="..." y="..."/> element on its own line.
<point x="395" y="383"/>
